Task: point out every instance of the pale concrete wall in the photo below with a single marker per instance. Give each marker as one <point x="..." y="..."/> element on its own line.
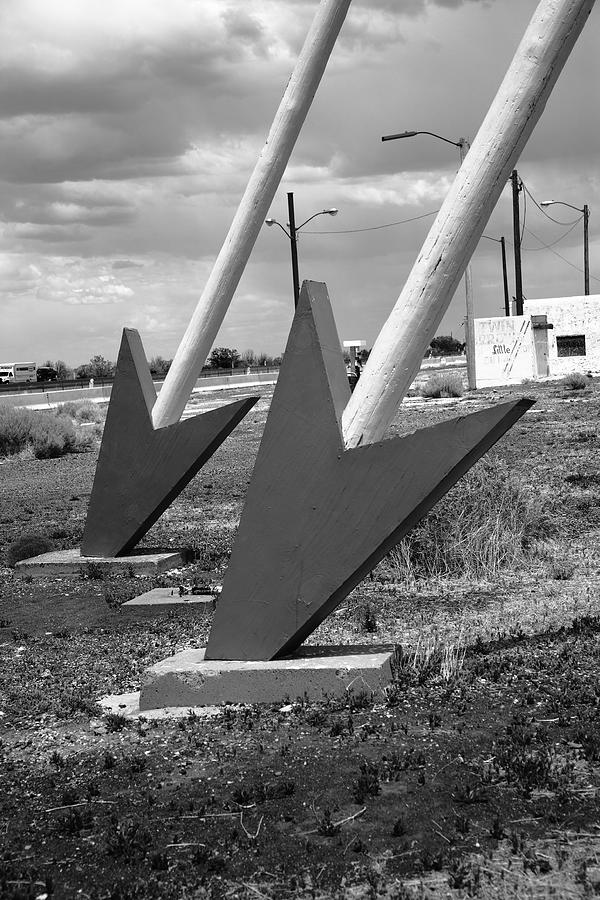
<point x="570" y="316"/>
<point x="503" y="350"/>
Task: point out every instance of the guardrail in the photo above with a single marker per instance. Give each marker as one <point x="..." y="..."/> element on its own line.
<point x="26" y="387"/>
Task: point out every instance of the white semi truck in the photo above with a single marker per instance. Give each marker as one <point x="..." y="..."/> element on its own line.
<point x="12" y="373"/>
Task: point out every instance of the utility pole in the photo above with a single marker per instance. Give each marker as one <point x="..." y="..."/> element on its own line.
<point x="463" y="147"/>
<point x="505" y="277"/>
<point x="294" y="246"/>
<point x="517" y="242"/>
<point x="586" y="249"/>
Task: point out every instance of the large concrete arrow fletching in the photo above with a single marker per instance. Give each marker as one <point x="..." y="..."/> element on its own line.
<point x="141" y="469"/>
<point x="318" y="517"/>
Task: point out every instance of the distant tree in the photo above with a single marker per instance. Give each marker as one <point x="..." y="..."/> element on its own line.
<point x="248" y="358"/>
<point x="445" y="345"/>
<point x="100" y="367"/>
<point x="84" y="371"/>
<point x="63" y="371"/>
<point x="159" y="366"/>
<point x="224" y="358"/>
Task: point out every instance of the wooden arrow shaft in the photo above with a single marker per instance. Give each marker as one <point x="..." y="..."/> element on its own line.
<point x="251" y="213"/>
<point x="397" y="354"/>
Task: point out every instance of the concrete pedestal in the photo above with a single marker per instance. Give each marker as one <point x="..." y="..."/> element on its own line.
<point x="188" y="680"/>
<point x="167" y="599"/>
<point x="71" y="562"/>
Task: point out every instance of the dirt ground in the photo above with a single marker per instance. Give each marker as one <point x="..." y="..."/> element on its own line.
<point x="475" y="774"/>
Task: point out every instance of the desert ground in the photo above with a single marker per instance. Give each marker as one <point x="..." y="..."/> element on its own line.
<point x="475" y="774"/>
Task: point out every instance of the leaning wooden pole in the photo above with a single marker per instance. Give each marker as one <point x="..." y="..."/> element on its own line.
<point x="251" y="213"/>
<point x="397" y="354"/>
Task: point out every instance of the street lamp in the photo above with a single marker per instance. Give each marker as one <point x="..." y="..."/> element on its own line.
<point x="463" y="146"/>
<point x="292" y="234"/>
<point x="586" y="240"/>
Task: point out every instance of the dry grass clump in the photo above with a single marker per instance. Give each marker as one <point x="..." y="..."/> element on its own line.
<point x="81" y="411"/>
<point x="28" y="545"/>
<point x="484" y="525"/>
<point x="576" y="381"/>
<point x="46" y="435"/>
<point x="445" y="384"/>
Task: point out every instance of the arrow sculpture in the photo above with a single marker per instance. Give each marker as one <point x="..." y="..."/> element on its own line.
<point x="127" y="499"/>
<point x="135" y="482"/>
<point x="319" y="517"/>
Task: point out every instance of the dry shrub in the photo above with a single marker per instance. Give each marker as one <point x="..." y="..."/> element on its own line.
<point x="575" y="382"/>
<point x="81" y="411"/>
<point x="28" y="545"/>
<point x="445" y="384"/>
<point x="484" y="524"/>
<point x="14" y="430"/>
<point x="48" y="435"/>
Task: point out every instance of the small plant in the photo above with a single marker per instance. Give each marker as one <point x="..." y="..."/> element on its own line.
<point x="368" y="622"/>
<point x="116" y="722"/>
<point x="94" y="571"/>
<point x="399" y="829"/>
<point x="27" y="546"/>
<point x="576" y="381"/>
<point x="367" y="784"/>
<point x="561" y="570"/>
<point x="326" y="826"/>
<point x="109" y="761"/>
<point x="445" y="384"/>
<point x="57" y="759"/>
<point x="497" y="830"/>
<point x="123" y="839"/>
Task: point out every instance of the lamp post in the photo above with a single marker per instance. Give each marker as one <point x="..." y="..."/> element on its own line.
<point x="586" y="240"/>
<point x="463" y="146"/>
<point x="292" y="234"/>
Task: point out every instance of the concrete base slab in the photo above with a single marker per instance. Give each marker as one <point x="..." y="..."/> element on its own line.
<point x="315" y="673"/>
<point x="128" y="705"/>
<point x="167" y="599"/>
<point x="71" y="562"/>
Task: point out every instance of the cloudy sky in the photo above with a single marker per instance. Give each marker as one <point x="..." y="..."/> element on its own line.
<point x="129" y="128"/>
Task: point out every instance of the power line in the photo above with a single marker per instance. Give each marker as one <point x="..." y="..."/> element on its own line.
<point x="548" y="246"/>
<point x="376" y="227"/>
<point x="543" y="211"/>
<point x="560" y="256"/>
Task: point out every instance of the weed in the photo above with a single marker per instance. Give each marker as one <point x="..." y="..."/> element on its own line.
<point x="137" y="763"/>
<point x="462" y="823"/>
<point x="368" y="620"/>
<point x="27" y="546"/>
<point x="69" y="796"/>
<point x="116" y="722"/>
<point x="123" y="839"/>
<point x="561" y="570"/>
<point x="497" y="830"/>
<point x="326" y="826"/>
<point x="57" y="759"/>
<point x="75" y="821"/>
<point x="484" y="525"/>
<point x="80" y="411"/>
<point x="576" y="381"/>
<point x="94" y="571"/>
<point x="109" y="761"/>
<point x="367" y="784"/>
<point x="399" y="828"/>
<point x="445" y="384"/>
